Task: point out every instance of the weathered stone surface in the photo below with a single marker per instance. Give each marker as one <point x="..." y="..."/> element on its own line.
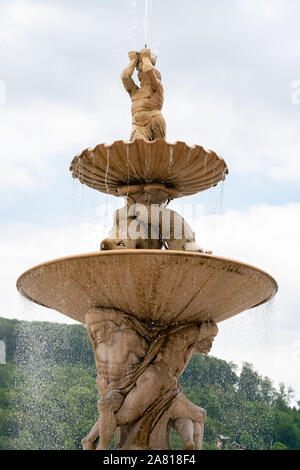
<point x="147" y="99"/>
<point x="138" y="380"/>
<point x="139" y="226"/>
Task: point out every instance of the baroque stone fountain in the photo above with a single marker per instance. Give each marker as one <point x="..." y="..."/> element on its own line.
<point x="151" y="297"/>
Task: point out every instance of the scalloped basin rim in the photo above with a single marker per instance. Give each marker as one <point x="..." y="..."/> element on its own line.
<point x="177" y="286"/>
<point x="148" y="142"/>
<point x="188" y="169"/>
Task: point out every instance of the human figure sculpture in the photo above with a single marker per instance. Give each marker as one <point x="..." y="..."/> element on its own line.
<point x="150" y="227"/>
<point x="147" y="100"/>
<point x="137" y="371"/>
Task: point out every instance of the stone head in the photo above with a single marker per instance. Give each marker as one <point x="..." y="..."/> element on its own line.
<point x="102" y="332"/>
<point x="118" y="244"/>
<point x="101" y="326"/>
<point x="204" y="346"/>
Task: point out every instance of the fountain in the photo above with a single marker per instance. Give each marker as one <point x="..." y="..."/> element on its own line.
<point x="151" y="297"/>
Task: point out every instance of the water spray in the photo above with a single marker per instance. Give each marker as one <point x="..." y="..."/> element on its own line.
<point x="146" y="23"/>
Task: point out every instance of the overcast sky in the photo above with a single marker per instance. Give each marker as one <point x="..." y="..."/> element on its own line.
<point x="232" y="84"/>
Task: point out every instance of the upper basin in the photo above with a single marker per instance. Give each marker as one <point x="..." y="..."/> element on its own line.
<point x="158" y="285"/>
<point x="119" y="169"/>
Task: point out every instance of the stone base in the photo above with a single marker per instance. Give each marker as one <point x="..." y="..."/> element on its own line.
<point x="139" y="365"/>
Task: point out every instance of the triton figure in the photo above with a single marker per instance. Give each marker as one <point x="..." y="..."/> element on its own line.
<point x="147" y="100"/>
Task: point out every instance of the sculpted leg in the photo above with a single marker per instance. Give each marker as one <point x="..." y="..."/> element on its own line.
<point x="155" y="381"/>
<point x="182" y="413"/>
<point x="184" y="408"/>
<point x="122" y="435"/>
<point x="198" y="435"/>
<point x="158" y="126"/>
<point x="107" y="419"/>
<point x="185" y="430"/>
<point x="89" y="442"/>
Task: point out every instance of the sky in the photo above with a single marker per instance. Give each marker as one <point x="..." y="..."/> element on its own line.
<point x="231" y="76"/>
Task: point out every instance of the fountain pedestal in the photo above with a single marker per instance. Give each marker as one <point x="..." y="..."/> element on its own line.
<point x="149" y="297"/>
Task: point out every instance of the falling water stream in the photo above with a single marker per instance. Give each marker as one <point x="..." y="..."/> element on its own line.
<point x="171" y="161"/>
<point x="107" y="169"/>
<point x="205" y="164"/>
<point x="146" y="23"/>
<point x="128" y="168"/>
<point x="140" y="10"/>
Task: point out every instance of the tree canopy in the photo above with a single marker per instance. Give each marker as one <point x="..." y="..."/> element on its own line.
<point x="48" y="394"/>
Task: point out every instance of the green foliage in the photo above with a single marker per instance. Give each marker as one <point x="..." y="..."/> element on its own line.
<point x="209" y="371"/>
<point x="48" y="394"/>
<point x="50" y="408"/>
<point x="8" y="335"/>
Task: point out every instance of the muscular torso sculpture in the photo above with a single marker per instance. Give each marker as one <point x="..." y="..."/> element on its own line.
<point x="136" y="370"/>
<point x="147" y="100"/>
<point x="118" y="351"/>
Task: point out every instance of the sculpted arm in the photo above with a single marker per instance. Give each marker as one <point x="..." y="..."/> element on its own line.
<point x="138" y="345"/>
<point x="126" y="76"/>
<point x="149" y="69"/>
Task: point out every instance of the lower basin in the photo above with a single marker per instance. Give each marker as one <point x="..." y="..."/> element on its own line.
<point x="157" y="285"/>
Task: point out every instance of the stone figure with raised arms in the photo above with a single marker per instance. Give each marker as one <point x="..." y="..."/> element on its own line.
<point x="147" y="99"/>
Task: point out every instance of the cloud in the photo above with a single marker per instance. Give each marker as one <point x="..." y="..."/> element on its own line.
<point x="270" y="10"/>
<point x="19" y="17"/>
<point x="252" y="142"/>
<point x="226" y="88"/>
<point x="23" y="246"/>
<point x="35" y="137"/>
